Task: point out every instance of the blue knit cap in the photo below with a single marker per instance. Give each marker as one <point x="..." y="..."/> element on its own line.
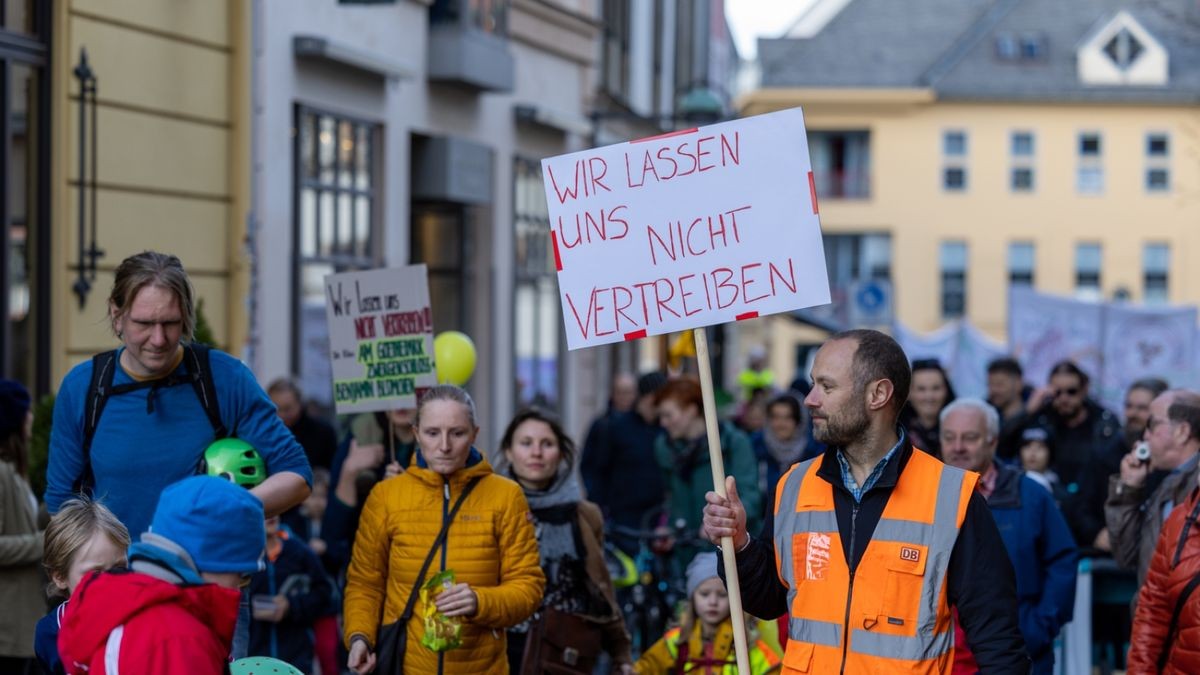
<point x="218" y="523"/>
<point x="14" y="405"/>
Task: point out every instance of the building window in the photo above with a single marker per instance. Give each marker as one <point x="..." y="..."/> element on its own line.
<point x="1157" y="145"/>
<point x="1158" y="180"/>
<point x="954" y="156"/>
<point x="1089" y="145"/>
<point x="1090" y="180"/>
<point x="1022" y="179"/>
<point x="1021" y="174"/>
<point x="441" y="238"/>
<point x="841" y="162"/>
<point x="489" y="16"/>
<point x="691" y="45"/>
<point x="1156" y="265"/>
<point x="954" y="144"/>
<point x="851" y="260"/>
<point x="617" y="29"/>
<point x="1024" y="48"/>
<point x="334" y="211"/>
<point x="1022" y="144"/>
<point x="1020" y="263"/>
<point x="1158" y="173"/>
<point x="1087" y="271"/>
<point x="954" y="178"/>
<point x="953" y="262"/>
<point x="538" y="316"/>
<point x="1089" y="174"/>
<point x="1033" y="47"/>
<point x="1006" y="47"/>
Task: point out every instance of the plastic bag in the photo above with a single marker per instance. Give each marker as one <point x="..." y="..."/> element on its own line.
<point x="442" y="633"/>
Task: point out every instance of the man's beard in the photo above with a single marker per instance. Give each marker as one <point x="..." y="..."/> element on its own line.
<point x="1067" y="414"/>
<point x="845" y="428"/>
<point x="1133" y="435"/>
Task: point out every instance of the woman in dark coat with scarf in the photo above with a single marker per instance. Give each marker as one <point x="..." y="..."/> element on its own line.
<point x="541" y="457"/>
<point x="782" y="442"/>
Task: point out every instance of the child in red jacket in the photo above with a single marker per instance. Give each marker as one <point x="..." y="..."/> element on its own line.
<point x="175" y="610"/>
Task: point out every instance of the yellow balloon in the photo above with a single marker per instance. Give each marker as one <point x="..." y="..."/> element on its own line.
<point x="454" y="356"/>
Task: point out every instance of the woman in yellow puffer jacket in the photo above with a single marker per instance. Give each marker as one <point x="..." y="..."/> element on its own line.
<point x="490" y="547"/>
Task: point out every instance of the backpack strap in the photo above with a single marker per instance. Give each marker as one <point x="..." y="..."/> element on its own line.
<point x="104" y="365"/>
<point x="197" y="358"/>
<point x="101" y="388"/>
<point x="1165" y="655"/>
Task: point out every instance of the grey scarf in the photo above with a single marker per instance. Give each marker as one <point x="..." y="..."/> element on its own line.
<point x="555" y="540"/>
<point x="786" y="453"/>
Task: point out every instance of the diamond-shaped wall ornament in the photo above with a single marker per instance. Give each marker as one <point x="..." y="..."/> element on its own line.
<point x="1123" y="49"/>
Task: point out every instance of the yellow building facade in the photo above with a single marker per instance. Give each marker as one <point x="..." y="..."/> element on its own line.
<point x="997" y="144"/>
<point x="171" y="162"/>
<point x="907" y="199"/>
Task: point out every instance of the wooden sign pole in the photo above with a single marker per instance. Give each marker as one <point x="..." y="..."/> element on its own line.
<point x="718" y="471"/>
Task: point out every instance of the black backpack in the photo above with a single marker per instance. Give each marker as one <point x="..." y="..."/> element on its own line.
<point x="104" y="366"/>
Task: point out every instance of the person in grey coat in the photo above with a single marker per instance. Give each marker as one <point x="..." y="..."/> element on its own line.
<point x="21" y="581"/>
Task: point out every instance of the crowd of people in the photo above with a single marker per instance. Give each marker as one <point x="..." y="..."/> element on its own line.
<point x="880" y="523"/>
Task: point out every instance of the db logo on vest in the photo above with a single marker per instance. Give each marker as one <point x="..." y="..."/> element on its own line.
<point x="910" y="554"/>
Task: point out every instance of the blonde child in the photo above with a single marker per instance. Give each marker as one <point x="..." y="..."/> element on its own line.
<point x="703" y="643"/>
<point x="83" y="536"/>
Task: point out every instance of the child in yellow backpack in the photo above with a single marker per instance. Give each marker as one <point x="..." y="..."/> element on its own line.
<point x="703" y="643"/>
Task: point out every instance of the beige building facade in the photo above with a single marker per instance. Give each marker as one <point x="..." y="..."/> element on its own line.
<point x="907" y="200"/>
<point x="140" y="145"/>
<point x="170" y="162"/>
<point x="982" y="145"/>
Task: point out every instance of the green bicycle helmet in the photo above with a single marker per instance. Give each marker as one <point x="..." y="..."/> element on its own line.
<point x="235" y="460"/>
<point x="261" y="665"/>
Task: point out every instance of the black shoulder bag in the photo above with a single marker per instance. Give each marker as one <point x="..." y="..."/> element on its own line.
<point x="392" y="640"/>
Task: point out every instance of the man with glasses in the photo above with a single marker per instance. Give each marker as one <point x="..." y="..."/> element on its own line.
<point x="1035" y="534"/>
<point x="1136" y="507"/>
<point x="1084" y="435"/>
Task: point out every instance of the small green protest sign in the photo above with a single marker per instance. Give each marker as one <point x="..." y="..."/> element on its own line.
<point x="380" y="338"/>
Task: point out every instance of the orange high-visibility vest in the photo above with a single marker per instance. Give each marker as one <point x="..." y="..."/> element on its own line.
<point x="893" y="616"/>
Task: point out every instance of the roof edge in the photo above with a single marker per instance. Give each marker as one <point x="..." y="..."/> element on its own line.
<point x="766" y="99"/>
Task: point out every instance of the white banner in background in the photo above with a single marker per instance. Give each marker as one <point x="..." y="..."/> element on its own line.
<point x="1044" y="329"/>
<point x="962" y="349"/>
<point x="1143" y="342"/>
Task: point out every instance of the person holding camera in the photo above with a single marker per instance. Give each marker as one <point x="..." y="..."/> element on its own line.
<point x="1136" y="509"/>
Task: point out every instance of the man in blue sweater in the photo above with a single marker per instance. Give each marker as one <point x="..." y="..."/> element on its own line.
<point x="155" y="435"/>
<point x="1035" y="533"/>
<point x="131" y="422"/>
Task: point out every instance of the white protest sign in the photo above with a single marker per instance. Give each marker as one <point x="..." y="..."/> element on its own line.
<point x="688" y="229"/>
<point x="380" y="338"/>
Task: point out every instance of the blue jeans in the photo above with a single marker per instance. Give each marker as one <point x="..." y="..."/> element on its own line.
<point x="241" y="633"/>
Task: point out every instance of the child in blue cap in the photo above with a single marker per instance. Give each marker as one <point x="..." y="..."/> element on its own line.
<point x="175" y="610"/>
